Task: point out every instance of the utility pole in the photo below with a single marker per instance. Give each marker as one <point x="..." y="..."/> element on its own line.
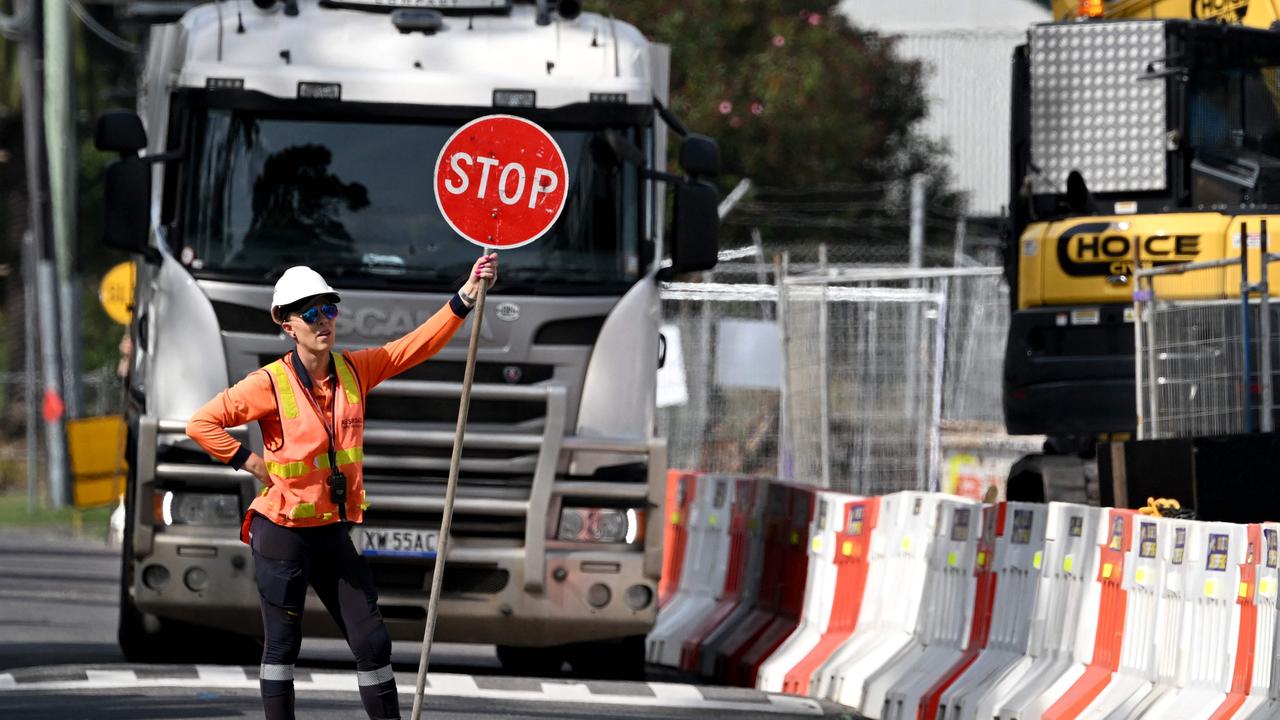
<point x="63" y="156"/>
<point x="31" y="57"/>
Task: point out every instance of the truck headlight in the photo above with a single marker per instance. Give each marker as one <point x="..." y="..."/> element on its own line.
<point x="196" y="508"/>
<point x="601" y="525"/>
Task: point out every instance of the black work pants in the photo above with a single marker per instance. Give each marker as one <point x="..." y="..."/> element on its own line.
<point x="286" y="560"/>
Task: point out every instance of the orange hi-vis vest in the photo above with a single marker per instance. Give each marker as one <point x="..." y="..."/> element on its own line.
<point x="298" y="495"/>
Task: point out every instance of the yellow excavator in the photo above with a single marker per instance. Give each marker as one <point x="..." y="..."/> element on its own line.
<point x="1143" y="131"/>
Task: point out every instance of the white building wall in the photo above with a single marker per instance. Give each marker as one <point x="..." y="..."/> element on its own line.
<point x="966" y="47"/>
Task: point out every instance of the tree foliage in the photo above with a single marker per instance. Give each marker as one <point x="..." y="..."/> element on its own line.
<point x="800" y="102"/>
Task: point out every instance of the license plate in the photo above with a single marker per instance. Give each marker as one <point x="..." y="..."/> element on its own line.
<point x="396" y="542"/>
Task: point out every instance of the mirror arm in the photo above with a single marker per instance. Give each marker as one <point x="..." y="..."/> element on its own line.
<point x="670" y="119"/>
<point x="650" y="174"/>
<point x="178" y="154"/>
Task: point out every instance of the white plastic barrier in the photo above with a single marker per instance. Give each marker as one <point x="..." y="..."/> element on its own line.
<point x="829" y="524"/>
<point x="1210" y="629"/>
<point x="903" y="700"/>
<point x="1019" y="557"/>
<point x="1171" y="612"/>
<point x="702" y="579"/>
<point x="891" y="602"/>
<point x="1144" y="572"/>
<point x="943" y="623"/>
<point x="1034" y="700"/>
<point x="1066" y="567"/>
<point x="773" y="497"/>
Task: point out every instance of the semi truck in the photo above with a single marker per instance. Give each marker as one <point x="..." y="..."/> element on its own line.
<point x="1143" y="132"/>
<point x="293" y="132"/>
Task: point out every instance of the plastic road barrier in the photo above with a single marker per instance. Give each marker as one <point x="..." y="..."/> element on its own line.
<point x="703" y="577"/>
<point x="1171" y="611"/>
<point x="1066" y="572"/>
<point x="1143" y="579"/>
<point x="747" y="662"/>
<point x="1019" y="558"/>
<point x="744" y="541"/>
<point x="850" y="558"/>
<point x="899" y="566"/>
<point x="764" y="566"/>
<point x="1214" y="618"/>
<point x="907" y="698"/>
<point x="1112" y="604"/>
<point x="1264" y="665"/>
<point x="783" y="548"/>
<point x="681" y="488"/>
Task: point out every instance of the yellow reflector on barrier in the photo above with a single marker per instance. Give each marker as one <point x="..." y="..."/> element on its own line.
<point x="952" y="559"/>
<point x="1037" y="559"/>
<point x="1140" y="575"/>
<point x="795" y="537"/>
<point x="906" y="543"/>
<point x="713" y="520"/>
<point x="675" y="518"/>
<point x="1244" y="590"/>
<point x="1068" y="562"/>
<point x="1106" y="570"/>
<point x="1264" y="586"/>
<point x="1210" y="588"/>
<point x="847" y="548"/>
<point x="982" y="559"/>
<point x="817" y="544"/>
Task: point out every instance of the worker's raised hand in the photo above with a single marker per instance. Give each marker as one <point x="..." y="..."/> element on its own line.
<point x="486" y="268"/>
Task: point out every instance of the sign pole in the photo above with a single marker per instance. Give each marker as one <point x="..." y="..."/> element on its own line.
<point x="511" y="207"/>
<point x="451" y="490"/>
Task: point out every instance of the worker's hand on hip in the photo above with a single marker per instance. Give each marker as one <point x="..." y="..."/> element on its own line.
<point x="257" y="468"/>
<point x="486" y="268"/>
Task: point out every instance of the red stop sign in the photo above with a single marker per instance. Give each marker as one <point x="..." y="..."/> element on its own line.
<point x="501" y="181"/>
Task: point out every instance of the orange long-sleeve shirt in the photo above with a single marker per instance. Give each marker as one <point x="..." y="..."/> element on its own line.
<point x="254" y="398"/>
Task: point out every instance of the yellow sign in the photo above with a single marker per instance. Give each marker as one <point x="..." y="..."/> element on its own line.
<point x="116" y="292"/>
<point x="97" y="459"/>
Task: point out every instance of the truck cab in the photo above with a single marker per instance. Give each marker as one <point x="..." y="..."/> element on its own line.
<point x="306" y="133"/>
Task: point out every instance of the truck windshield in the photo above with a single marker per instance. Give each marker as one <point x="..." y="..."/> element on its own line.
<point x="354" y="200"/>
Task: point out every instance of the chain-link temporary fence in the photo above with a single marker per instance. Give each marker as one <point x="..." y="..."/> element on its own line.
<point x="1199" y="367"/>
<point x="847" y="379"/>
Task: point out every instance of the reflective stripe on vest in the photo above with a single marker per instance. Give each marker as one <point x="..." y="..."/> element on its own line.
<point x="288" y="402"/>
<point x="299" y="468"/>
<point x="348" y="380"/>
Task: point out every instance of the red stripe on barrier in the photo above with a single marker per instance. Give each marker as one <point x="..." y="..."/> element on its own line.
<point x="1111" y="618"/>
<point x="1242" y="676"/>
<point x="852" y="561"/>
<point x="744" y="671"/>
<point x="682" y="487"/>
<point x="984" y="596"/>
<point x="739" y="546"/>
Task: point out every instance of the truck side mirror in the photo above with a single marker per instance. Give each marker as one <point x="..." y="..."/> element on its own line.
<point x="695" y="231"/>
<point x="127" y="182"/>
<point x="700" y="156"/>
<point x="127" y="197"/>
<point x="120" y="131"/>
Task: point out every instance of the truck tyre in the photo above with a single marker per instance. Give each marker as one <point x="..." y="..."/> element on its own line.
<point x="609" y="659"/>
<point x="532" y="661"/>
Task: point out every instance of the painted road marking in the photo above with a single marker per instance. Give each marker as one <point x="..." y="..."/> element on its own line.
<point x="653" y="694"/>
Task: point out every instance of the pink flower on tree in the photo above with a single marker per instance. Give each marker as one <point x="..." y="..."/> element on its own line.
<point x="779" y="41"/>
<point x="757" y="107"/>
<point x="726" y="107"/>
<point x="815" y="19"/>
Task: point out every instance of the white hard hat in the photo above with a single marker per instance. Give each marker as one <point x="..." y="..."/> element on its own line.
<point x="298" y="283"/>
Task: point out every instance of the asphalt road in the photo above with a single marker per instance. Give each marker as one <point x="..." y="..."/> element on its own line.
<point x="59" y="659"/>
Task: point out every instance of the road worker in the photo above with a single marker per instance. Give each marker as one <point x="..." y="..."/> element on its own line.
<point x="310" y="406"/>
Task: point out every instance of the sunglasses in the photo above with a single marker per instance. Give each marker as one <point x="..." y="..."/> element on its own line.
<point x="311" y="315"/>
